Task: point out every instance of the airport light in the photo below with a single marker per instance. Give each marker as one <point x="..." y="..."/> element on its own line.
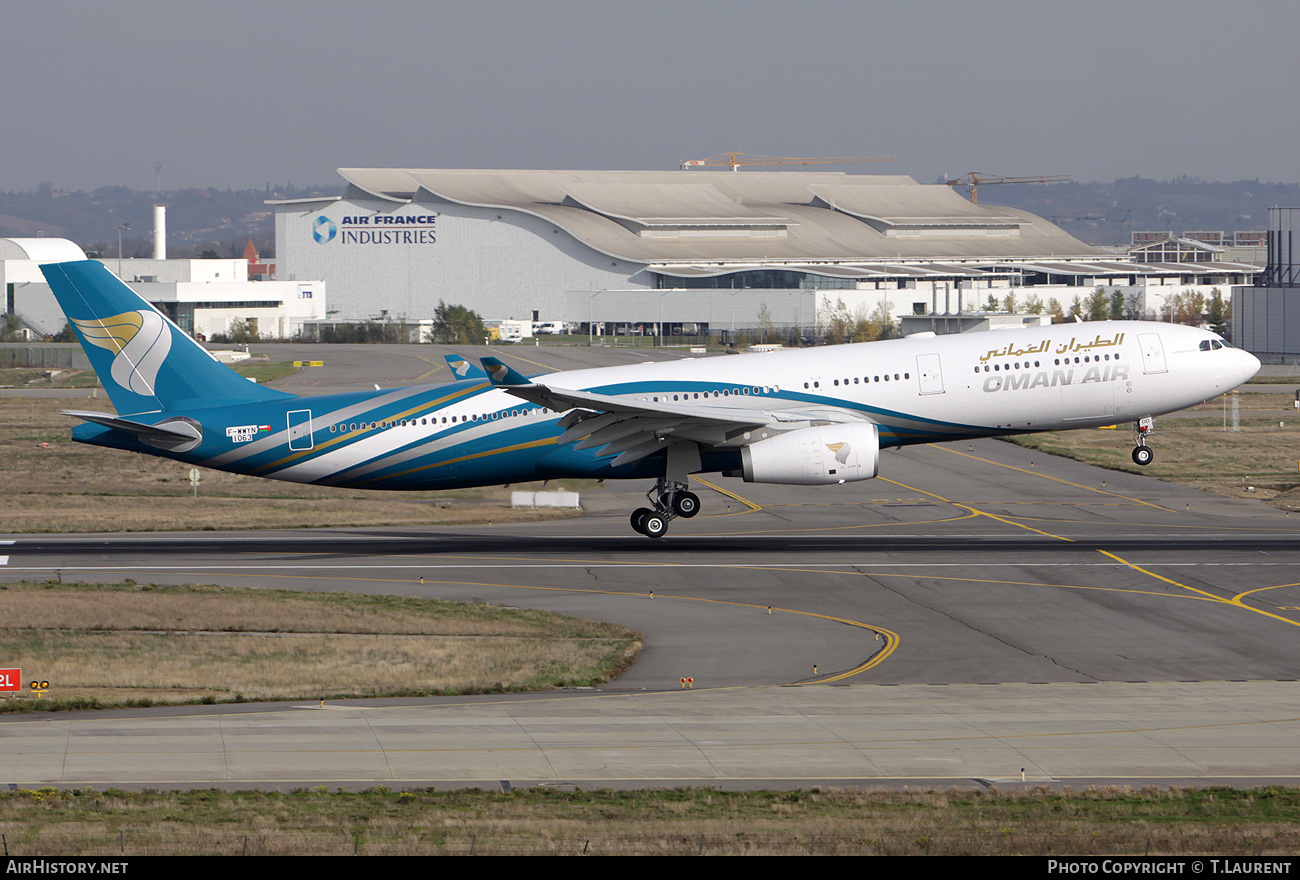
<point x="591" y="318"/>
<point x="119" y="248"/>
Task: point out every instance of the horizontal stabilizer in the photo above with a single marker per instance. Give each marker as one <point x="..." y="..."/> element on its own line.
<point x="172" y="432"/>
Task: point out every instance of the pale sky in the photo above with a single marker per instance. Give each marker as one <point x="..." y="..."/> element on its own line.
<point x="237" y="93"/>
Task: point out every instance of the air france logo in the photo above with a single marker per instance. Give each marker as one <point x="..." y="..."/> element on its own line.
<point x="139" y="342"/>
<point x="324" y="230"/>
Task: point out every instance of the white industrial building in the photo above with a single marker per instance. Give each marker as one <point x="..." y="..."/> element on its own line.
<point x="210" y="297"/>
<point x="717" y="251"/>
<point x="203" y="297"/>
<point x="27" y="296"/>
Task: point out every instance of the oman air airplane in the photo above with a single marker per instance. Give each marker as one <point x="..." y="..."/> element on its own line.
<point x="816" y="416"/>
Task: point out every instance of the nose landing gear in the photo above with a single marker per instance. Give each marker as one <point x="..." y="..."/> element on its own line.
<point x="1143" y="454"/>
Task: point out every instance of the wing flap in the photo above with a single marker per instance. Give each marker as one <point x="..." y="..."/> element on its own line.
<point x="644" y="449"/>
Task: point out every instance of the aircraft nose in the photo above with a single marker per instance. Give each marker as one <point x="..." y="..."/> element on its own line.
<point x="1249" y="365"/>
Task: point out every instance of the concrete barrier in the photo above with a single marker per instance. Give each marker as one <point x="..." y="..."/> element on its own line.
<point x="544" y="499"/>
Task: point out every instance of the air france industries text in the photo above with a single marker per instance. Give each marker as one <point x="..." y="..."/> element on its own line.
<point x="387" y="236"/>
<point x="379" y="229"/>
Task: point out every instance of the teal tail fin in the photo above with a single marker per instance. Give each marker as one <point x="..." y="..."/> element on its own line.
<point x="145" y="361"/>
<point x="501" y="375"/>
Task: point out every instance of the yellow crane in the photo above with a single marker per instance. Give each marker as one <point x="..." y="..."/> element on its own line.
<point x="735" y="160"/>
<point x="975" y="178"/>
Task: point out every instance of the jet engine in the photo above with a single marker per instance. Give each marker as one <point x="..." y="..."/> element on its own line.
<point x="814" y="456"/>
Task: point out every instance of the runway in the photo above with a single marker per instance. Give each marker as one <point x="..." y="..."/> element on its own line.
<point x="978" y="609"/>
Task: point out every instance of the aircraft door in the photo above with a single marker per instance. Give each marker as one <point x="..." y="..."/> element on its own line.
<point x="929" y="373"/>
<point x="300" y="429"/>
<point x="1153" y="353"/>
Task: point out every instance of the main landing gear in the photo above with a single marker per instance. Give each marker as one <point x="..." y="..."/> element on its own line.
<point x="1143" y="454"/>
<point x="670" y="499"/>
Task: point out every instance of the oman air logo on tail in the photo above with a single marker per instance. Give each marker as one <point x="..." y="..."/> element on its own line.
<point x="459" y="366"/>
<point x="139" y="342"/>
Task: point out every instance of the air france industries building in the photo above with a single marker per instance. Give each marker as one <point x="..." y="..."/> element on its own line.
<point x="697" y="251"/>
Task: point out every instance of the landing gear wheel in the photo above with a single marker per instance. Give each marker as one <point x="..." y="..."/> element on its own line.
<point x="654" y="526"/>
<point x="1143" y="455"/>
<point x="686" y="504"/>
<point x="639" y="517"/>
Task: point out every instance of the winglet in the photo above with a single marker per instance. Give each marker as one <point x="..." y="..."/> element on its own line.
<point x="501" y="375"/>
<point x="463" y="369"/>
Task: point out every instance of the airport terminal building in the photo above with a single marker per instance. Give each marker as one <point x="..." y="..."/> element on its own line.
<point x="695" y="250"/>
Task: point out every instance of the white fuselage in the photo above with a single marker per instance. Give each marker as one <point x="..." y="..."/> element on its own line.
<point x="1039" y="379"/>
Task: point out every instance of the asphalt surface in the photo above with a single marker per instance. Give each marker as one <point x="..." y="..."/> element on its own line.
<point x="977" y="611"/>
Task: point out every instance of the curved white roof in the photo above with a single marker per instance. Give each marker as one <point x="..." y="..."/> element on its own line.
<point x="692" y="217"/>
<point x="43" y="250"/>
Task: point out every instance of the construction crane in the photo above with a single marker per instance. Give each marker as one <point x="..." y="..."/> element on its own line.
<point x="735" y="160"/>
<point x="975" y="178"/>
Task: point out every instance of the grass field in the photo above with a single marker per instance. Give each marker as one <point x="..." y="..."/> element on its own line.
<point x="1110" y="821"/>
<point x="131" y="644"/>
<point x="1198" y="448"/>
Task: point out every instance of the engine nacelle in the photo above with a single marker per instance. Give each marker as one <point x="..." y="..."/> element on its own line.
<point x="814" y="456"/>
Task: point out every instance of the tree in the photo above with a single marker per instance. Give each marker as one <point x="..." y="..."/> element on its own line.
<point x="1133" y="307"/>
<point x="880" y="324"/>
<point x="767" y="329"/>
<point x="1034" y="305"/>
<point x="837" y="324"/>
<point x="244" y="331"/>
<point x="456" y="325"/>
<point x="1216" y="313"/>
<point x="1098" y="305"/>
<point x="1117" y="305"/>
<point x="11" y="329"/>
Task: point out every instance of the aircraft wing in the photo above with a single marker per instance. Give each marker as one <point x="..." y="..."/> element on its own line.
<point x="635" y="429"/>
